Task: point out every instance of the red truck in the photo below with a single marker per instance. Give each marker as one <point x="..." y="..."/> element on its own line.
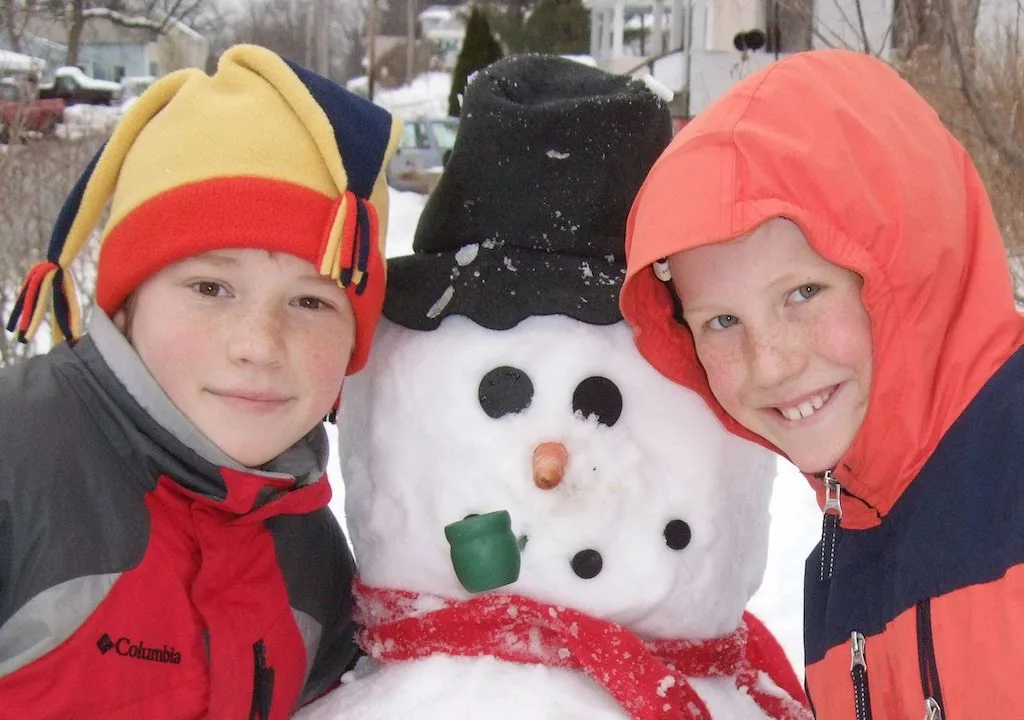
<point x="21" y="111"/>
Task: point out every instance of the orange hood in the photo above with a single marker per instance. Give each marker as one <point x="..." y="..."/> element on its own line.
<point x="837" y="142"/>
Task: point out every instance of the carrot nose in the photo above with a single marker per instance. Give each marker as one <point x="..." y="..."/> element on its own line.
<point x="549" y="462"/>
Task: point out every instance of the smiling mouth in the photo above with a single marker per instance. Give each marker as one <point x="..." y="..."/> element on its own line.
<point x="250" y="400"/>
<point x="807" y="408"/>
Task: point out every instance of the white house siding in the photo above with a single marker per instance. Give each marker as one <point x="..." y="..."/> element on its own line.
<point x="714" y="72"/>
<point x="112" y="61"/>
<point x="179" y="47"/>
<point x="712" y="64"/>
<point x="728" y="17"/>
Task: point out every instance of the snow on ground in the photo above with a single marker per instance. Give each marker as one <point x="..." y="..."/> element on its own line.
<point x="81" y="120"/>
<point x="425" y="96"/>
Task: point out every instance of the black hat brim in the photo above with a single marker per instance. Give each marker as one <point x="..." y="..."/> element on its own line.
<point x="498" y="285"/>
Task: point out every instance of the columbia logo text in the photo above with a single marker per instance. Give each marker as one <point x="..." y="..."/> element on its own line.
<point x="126" y="647"/>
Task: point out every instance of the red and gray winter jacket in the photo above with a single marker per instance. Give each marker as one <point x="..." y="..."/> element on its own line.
<point x="142" y="574"/>
<point x="914" y="600"/>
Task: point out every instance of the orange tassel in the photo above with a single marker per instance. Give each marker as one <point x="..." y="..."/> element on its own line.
<point x="26" y="307"/>
<point x="349" y="238"/>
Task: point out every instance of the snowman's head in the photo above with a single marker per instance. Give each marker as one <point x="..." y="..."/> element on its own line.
<point x="654" y="516"/>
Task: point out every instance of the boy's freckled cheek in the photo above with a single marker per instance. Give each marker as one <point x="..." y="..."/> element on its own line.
<point x="723" y="367"/>
<point x="328" y="361"/>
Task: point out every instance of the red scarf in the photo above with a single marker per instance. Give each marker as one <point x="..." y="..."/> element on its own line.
<point x="647" y="678"/>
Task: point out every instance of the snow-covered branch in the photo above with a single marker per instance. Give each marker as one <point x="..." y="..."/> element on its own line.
<point x="118" y="18"/>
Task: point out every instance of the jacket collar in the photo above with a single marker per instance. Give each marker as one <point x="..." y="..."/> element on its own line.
<point x="175" y="447"/>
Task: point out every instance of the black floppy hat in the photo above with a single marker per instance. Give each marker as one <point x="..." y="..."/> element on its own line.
<point x="529" y="217"/>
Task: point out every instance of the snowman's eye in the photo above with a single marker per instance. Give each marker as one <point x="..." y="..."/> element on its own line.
<point x="505" y="390"/>
<point x="677" y="534"/>
<point x="600" y="397"/>
<point x="587" y="563"/>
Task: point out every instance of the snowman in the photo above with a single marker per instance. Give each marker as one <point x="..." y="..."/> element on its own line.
<point x="544" y="526"/>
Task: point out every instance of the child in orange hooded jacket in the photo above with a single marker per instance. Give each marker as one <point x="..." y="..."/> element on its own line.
<point x="816" y="255"/>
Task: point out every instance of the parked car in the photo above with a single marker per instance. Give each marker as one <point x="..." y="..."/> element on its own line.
<point x="20" y="110"/>
<point x="73" y="86"/>
<point x="422" y="153"/>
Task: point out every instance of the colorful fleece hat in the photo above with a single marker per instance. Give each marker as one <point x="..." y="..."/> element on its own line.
<point x="263" y="154"/>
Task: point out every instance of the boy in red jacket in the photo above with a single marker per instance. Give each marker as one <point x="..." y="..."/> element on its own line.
<point x="165" y="546"/>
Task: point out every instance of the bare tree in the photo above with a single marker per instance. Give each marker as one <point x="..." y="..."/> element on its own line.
<point x="155" y="15"/>
<point x="14" y="15"/>
<point x="288" y="27"/>
<point x="974" y="78"/>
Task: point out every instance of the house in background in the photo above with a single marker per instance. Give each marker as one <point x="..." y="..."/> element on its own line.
<point x="441" y="32"/>
<point x="445" y="27"/>
<point x="111" y="52"/>
<point x="699" y="48"/>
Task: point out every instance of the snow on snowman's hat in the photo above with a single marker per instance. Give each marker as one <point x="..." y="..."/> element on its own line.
<point x="529" y="217"/>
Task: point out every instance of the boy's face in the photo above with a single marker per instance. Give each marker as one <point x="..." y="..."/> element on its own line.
<point x="783" y="337"/>
<point x="251" y="346"/>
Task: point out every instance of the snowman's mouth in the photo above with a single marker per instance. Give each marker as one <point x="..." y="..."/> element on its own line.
<point x="521" y="539"/>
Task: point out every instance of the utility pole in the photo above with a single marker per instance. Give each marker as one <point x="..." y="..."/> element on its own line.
<point x="371" y="53"/>
<point x="323" y="37"/>
<point x="312" y="12"/>
<point x="410" y="41"/>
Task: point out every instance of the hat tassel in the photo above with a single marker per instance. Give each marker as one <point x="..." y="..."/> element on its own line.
<point x="30" y="308"/>
<point x="361" y="231"/>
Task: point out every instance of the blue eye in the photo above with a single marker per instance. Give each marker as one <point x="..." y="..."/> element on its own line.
<point x="805" y="292"/>
<point x="721" y="322"/>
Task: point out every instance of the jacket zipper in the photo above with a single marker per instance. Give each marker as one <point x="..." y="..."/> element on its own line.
<point x="859" y="674"/>
<point x="263" y="684"/>
<point x="833" y="513"/>
<point x="926" y="658"/>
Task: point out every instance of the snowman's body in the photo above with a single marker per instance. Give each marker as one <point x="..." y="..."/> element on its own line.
<point x="660" y="523"/>
<point x="458" y="688"/>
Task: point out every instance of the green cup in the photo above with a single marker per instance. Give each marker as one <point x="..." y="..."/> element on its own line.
<point x="485" y="553"/>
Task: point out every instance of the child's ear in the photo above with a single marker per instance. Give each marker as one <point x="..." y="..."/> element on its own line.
<point x="122" y="319"/>
<point x="332" y="417"/>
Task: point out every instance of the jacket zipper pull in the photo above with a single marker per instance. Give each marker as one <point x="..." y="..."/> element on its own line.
<point x="859" y="674"/>
<point x="930" y="685"/>
<point x="833" y="513"/>
<point x="263" y="684"/>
